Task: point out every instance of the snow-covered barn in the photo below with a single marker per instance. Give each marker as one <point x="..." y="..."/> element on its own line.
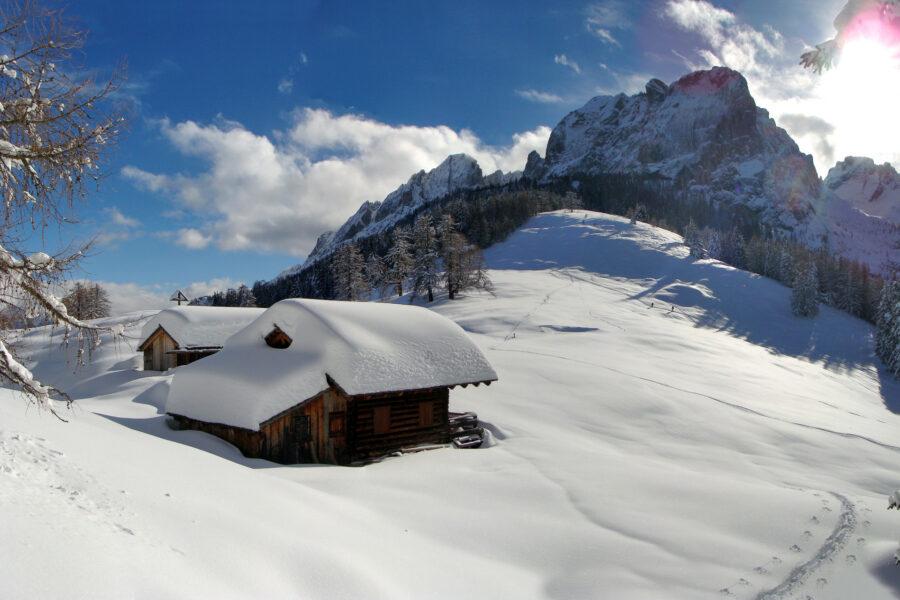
<point x="330" y="382"/>
<point x="179" y="336"/>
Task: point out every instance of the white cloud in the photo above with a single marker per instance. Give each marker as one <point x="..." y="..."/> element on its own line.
<point x="116" y="228"/>
<point x="625" y="83"/>
<point x="561" y="59"/>
<point x="601" y="18"/>
<point x="192" y="239"/>
<point x="118" y="218"/>
<point x="131" y="297"/>
<point x="279" y="193"/>
<point x="541" y="97"/>
<point x="285" y="86"/>
<point x="149" y="181"/>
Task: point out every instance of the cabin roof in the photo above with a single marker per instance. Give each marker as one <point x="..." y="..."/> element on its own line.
<point x="364" y="347"/>
<point x="199" y="326"/>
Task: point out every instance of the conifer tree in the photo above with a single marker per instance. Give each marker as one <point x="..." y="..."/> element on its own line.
<point x="786" y="267"/>
<point x="805" y="293"/>
<point x="425" y="258"/>
<point x="375" y="273"/>
<point x="347" y="272"/>
<point x="399" y="261"/>
<point x="245" y="297"/>
<point x="692" y="240"/>
<point x="887" y="326"/>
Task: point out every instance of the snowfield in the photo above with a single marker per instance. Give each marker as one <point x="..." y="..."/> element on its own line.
<point x="661" y="428"/>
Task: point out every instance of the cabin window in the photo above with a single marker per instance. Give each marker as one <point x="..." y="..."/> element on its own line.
<point x="336" y="425"/>
<point x="382" y="418"/>
<point x="278" y="339"/>
<point x="426" y="414"/>
<point x="301" y="428"/>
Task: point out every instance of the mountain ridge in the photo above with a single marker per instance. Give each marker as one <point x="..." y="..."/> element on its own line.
<point x="703" y="133"/>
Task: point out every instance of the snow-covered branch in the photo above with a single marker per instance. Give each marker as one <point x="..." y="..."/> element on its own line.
<point x="56" y="126"/>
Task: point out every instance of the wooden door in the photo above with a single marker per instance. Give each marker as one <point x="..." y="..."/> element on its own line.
<point x="159" y="355"/>
<point x="300" y="436"/>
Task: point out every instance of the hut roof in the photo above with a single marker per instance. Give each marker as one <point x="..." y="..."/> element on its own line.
<point x="200" y="326"/>
<point x="365" y="348"/>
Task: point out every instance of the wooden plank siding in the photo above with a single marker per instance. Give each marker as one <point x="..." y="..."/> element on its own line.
<point x="250" y="443"/>
<point x="405" y="423"/>
<point x="156" y="348"/>
<point x="284" y="443"/>
<point x="304" y="433"/>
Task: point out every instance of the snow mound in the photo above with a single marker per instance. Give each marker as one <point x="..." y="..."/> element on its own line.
<point x="200" y="326"/>
<point x="364" y="347"/>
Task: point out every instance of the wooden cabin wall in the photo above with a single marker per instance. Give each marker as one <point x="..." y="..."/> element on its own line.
<point x="404" y="421"/>
<point x="287" y="443"/>
<point x="250" y="443"/>
<point x="304" y="433"/>
<point x="155" y="350"/>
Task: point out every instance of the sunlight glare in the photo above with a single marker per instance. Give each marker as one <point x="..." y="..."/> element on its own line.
<point x="861" y="96"/>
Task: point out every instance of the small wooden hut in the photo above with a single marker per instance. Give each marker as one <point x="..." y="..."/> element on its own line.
<point x="179" y="336"/>
<point x="330" y="382"/>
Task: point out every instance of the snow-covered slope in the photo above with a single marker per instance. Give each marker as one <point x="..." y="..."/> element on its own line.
<point x="704" y="130"/>
<point x="662" y="428"/>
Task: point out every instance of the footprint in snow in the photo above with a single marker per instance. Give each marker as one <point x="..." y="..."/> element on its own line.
<point x="761" y="570"/>
<point x="826" y="509"/>
<point x="743" y="581"/>
<point x="776" y="560"/>
<point x="851" y="558"/>
<point x="795" y="548"/>
<point x="726" y="592"/>
<point x="807" y="534"/>
<point x="814" y="519"/>
<point x="821" y="582"/>
<point x="866" y="523"/>
<point x="860" y="541"/>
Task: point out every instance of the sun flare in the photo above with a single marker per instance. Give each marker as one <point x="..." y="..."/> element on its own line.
<point x="861" y="96"/>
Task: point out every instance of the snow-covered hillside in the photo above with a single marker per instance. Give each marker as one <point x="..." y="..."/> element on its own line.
<point x="662" y="428"/>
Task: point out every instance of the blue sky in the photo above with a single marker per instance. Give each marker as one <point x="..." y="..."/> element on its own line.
<point x="258" y="125"/>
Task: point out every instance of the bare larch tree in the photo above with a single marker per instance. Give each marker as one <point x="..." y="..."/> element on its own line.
<point x="57" y="124"/>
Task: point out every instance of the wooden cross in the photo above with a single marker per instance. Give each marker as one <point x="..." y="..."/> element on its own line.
<point x="179" y="297"/>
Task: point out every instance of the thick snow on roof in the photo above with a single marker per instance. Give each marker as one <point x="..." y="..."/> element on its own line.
<point x="365" y="347"/>
<point x="200" y="326"/>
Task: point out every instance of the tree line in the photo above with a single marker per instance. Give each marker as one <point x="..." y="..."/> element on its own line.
<point x="240" y="296"/>
<point x="733" y="234"/>
<point x="420" y="260"/>
<point x="484" y="217"/>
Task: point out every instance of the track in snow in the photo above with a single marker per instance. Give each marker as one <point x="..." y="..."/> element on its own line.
<point x="842" y="533"/>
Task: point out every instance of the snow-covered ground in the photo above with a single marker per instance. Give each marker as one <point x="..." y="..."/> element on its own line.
<point x="662" y="428"/>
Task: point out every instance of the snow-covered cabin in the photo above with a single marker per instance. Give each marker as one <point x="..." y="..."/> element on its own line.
<point x="330" y="382"/>
<point x="179" y="336"/>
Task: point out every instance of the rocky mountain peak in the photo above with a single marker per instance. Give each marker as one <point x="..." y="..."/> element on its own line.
<point x="456" y="172"/>
<point x="874" y="189"/>
<point x="712" y="81"/>
<point x="704" y="130"/>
